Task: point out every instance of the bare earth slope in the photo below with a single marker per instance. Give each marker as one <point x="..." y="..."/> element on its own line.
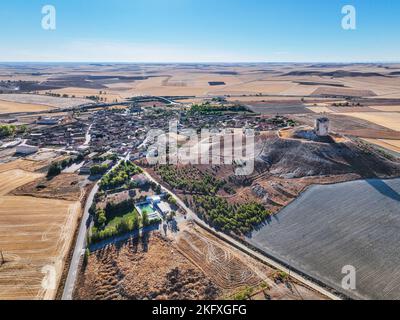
<point x="295" y="158"/>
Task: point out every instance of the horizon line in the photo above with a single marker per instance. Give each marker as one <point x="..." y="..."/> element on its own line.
<point x="209" y="62"/>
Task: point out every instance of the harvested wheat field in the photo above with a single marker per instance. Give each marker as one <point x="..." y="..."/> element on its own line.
<point x="393" y="145"/>
<point x="12" y="107"/>
<point x="387" y="108"/>
<point x="320" y="109"/>
<point x="13" y="179"/>
<point x="44" y="101"/>
<point x="389" y="120"/>
<point x="107" y="94"/>
<point x="35" y="236"/>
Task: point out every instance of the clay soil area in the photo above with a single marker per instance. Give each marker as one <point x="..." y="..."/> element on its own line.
<point x="64" y="186"/>
<point x="149" y="268"/>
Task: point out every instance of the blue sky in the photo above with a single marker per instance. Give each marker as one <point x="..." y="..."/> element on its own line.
<point x="200" y="31"/>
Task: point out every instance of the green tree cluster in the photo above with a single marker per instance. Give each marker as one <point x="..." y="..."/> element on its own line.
<point x="56" y="167"/>
<point x="239" y="219"/>
<point x="190" y="180"/>
<point x="119" y="176"/>
<point x="98" y="169"/>
<point x="124" y="225"/>
<point x="209" y="109"/>
<point x="9" y="130"/>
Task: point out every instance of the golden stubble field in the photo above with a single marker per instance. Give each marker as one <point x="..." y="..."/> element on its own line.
<point x="13" y="103"/>
<point x="193" y="80"/>
<point x="35" y="237"/>
<point x="11" y="107"/>
<point x="390" y="120"/>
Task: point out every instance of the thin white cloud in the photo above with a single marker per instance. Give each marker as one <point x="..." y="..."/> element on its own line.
<point x="103" y="51"/>
<point x="89" y="50"/>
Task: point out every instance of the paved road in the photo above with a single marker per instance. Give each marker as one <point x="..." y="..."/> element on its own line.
<point x="80" y="244"/>
<point x="79" y="248"/>
<point x="242" y="247"/>
<point x="168" y="100"/>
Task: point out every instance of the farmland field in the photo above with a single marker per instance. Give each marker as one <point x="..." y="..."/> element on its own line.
<point x="393" y="145"/>
<point x="328" y="227"/>
<point x="13" y="179"/>
<point x="35" y="236"/>
<point x="82" y="93"/>
<point x="389" y="120"/>
<point x="36" y="102"/>
<point x="387" y="108"/>
<point x="31" y="164"/>
<point x="34" y="233"/>
<point x="11" y="107"/>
